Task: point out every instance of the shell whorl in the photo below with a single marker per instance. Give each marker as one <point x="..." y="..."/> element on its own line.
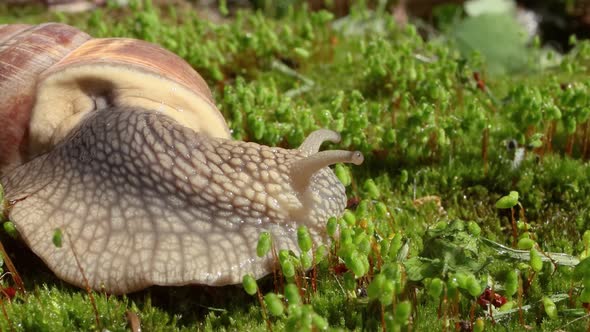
<point x="25" y="52"/>
<point x="52" y="75"/>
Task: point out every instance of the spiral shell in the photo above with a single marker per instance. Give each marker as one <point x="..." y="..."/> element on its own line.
<point x="51" y="75"/>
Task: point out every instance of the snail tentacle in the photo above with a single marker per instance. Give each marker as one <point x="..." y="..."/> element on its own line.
<point x="313" y="142"/>
<point x="303" y="170"/>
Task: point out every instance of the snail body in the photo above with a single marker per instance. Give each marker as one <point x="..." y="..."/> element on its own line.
<point x="118" y="143"/>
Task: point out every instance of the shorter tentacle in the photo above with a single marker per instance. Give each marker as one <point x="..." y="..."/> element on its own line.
<point x="303" y="169"/>
<point x="313" y="142"/>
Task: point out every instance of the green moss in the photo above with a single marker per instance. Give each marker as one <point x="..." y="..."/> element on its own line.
<point x="434" y="129"/>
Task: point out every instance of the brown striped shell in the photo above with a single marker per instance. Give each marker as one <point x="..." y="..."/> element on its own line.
<point x="52" y="74"/>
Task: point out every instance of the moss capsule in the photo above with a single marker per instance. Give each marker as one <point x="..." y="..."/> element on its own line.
<point x="473" y="286"/>
<point x="274" y="304"/>
<point x="303" y="239"/>
<point x="402" y="312"/>
<point x="332" y="226"/>
<point x="473" y="228"/>
<point x="550" y="308"/>
<point x="57" y="238"/>
<point x="319" y="322"/>
<point x="511" y="285"/>
<point x="375" y="288"/>
<point x="525" y="244"/>
<point x="508" y="201"/>
<point x="264" y="244"/>
<point x="396" y="244"/>
<point x="10" y="229"/>
<point x="288" y="268"/>
<point x="387" y="292"/>
<point x="321" y="253"/>
<point x="306" y="261"/>
<point x="435" y="288"/>
<point x="371" y="189"/>
<point x="349" y="218"/>
<point x="536" y="262"/>
<point x="343" y="174"/>
<point x="292" y="294"/>
<point x="381" y="210"/>
<point x="249" y="284"/>
<point x="479" y="325"/>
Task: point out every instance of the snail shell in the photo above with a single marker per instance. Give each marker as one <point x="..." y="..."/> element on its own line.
<point x="55" y="66"/>
<point x="118" y="143"/>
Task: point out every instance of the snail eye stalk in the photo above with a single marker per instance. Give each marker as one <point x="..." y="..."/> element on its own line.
<point x="303" y="169"/>
<point x="313" y="142"/>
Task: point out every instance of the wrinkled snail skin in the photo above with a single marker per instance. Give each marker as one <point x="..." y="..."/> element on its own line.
<point x="142" y="198"/>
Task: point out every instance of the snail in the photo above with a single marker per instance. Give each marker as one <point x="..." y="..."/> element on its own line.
<point x="119" y="145"/>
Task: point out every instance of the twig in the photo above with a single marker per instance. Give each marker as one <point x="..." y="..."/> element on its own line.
<point x="524" y="255"/>
<point x="500" y="315"/>
<point x="339" y="284"/>
<point x="133" y="319"/>
<point x="575" y="320"/>
<point x="264" y="314"/>
<point x="284" y="69"/>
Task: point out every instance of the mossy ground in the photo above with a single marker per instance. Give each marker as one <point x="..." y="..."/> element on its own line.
<point x="434" y="130"/>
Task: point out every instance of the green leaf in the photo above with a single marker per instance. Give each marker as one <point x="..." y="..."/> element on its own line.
<point x="507" y="52"/>
<point x="585" y="296"/>
<point x="479" y="7"/>
<point x="582" y="270"/>
<point x="418" y="268"/>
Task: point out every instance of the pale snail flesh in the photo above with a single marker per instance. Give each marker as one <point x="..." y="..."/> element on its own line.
<point x="118" y="143"/>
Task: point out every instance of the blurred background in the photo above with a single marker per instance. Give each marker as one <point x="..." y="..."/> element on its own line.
<point x="501" y="30"/>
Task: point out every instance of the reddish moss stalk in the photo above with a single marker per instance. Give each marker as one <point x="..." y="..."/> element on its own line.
<point x="15" y="276"/>
<point x="484" y="149"/>
<point x="86" y="283"/>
